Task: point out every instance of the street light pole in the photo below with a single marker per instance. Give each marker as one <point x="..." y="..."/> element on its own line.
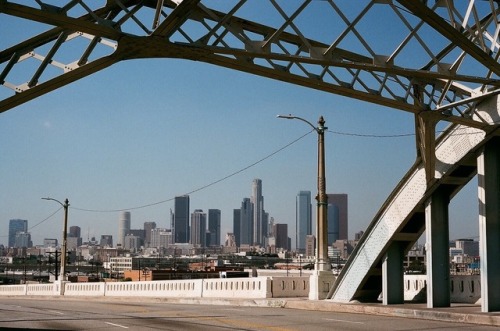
<point x="322" y="266"/>
<point x="322" y="262"/>
<point x="62" y="273"/>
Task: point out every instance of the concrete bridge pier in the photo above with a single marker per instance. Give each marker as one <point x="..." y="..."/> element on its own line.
<point x="392" y="275"/>
<point x="488" y="170"/>
<point x="437" y="249"/>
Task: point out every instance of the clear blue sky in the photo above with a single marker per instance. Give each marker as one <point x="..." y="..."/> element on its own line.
<point x="145" y="131"/>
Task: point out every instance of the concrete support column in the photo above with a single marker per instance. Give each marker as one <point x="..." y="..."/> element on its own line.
<point x="437" y="250"/>
<point x="488" y="170"/>
<point x="392" y="275"/>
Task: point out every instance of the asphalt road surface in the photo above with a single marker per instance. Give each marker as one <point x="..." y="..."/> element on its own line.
<point x="84" y="314"/>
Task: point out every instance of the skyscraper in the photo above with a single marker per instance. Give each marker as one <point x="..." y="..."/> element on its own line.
<point x="303" y="220"/>
<point x="123" y="227"/>
<point x="246" y="223"/>
<point x="259" y="229"/>
<point x="75" y="231"/>
<point x="198" y="228"/>
<point x="281" y="235"/>
<point x="148" y="226"/>
<point x="237" y="226"/>
<point x="214" y="216"/>
<point x="15" y="226"/>
<point x="181" y="219"/>
<point x="337" y="217"/>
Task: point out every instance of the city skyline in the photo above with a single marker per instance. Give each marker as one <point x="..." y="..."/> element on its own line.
<point x="109" y="143"/>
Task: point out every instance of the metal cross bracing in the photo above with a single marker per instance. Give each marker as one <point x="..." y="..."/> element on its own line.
<point x="435" y="59"/>
<point x="438" y="57"/>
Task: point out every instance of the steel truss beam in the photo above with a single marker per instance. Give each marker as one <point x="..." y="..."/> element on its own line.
<point x="455" y="47"/>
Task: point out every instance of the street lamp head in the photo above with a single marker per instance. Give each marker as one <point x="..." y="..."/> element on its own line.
<point x="65" y="204"/>
<point x="288" y="117"/>
<point x="291" y="117"/>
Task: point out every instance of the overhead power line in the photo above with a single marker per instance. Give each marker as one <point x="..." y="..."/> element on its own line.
<point x="200" y="188"/>
<point x="246" y="168"/>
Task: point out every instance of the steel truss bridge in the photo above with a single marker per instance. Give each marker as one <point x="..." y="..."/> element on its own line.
<point x="435" y="59"/>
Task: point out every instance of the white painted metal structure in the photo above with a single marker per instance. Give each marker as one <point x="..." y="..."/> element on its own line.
<point x="436" y="59"/>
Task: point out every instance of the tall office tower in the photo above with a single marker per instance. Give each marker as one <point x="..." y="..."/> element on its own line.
<point x="271" y="228"/>
<point x="181" y="219"/>
<point x="75" y="232"/>
<point x="161" y="238"/>
<point x="148" y="226"/>
<point x="265" y="226"/>
<point x="333" y="223"/>
<point x="23" y="239"/>
<point x="337" y="217"/>
<point x="172" y="220"/>
<point x="258" y="212"/>
<point x="237" y="226"/>
<point x="246" y="223"/>
<point x="214" y="226"/>
<point x="303" y="220"/>
<point x="281" y="235"/>
<point x="106" y="240"/>
<point x="123" y="227"/>
<point x="198" y="228"/>
<point x="15" y="226"/>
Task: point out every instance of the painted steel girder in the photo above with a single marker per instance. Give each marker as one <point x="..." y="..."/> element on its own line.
<point x="377" y="51"/>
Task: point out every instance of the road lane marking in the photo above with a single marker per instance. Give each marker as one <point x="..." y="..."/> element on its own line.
<point x="344" y="321"/>
<point x="118" y="325"/>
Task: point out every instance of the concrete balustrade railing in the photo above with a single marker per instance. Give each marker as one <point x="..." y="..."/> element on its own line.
<point x="289" y="287"/>
<point x="464" y="289"/>
<point x="85" y="289"/>
<point x="173" y="289"/>
<point x="255" y="287"/>
<point x="40" y="289"/>
<point x="252" y="288"/>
